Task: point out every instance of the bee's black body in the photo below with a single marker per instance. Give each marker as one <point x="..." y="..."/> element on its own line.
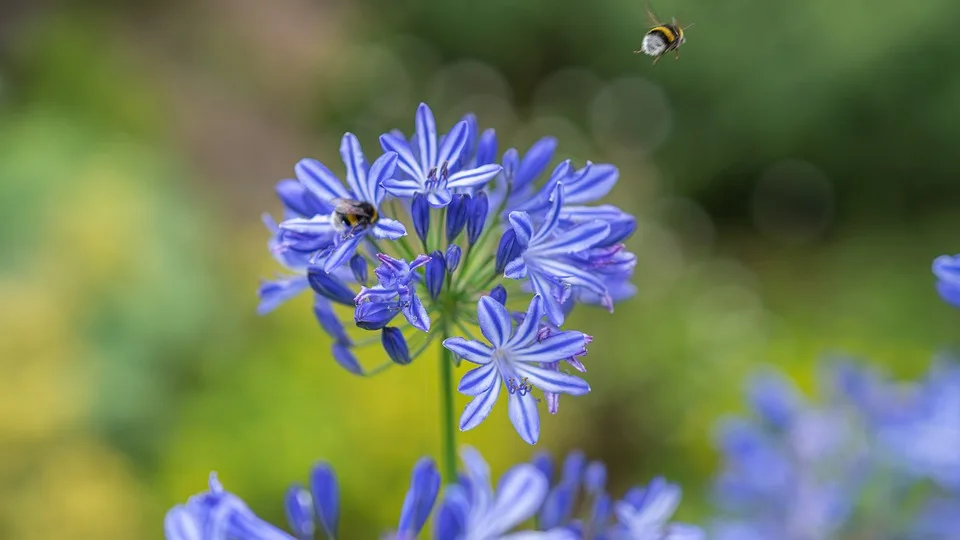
<point x="671" y="34"/>
<point x="349" y="214"/>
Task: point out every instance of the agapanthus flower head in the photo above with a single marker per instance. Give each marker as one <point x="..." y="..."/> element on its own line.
<point x="946" y="268"/>
<point x="840" y="467"/>
<point x="484" y="227"/>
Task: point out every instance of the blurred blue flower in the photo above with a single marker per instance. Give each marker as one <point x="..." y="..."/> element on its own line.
<point x="430" y="168"/>
<point x="946" y="268"/>
<point x="512" y="360"/>
<point x="217" y="515"/>
<point x="472" y="511"/>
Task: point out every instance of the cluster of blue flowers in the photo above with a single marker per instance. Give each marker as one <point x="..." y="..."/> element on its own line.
<point x="874" y="459"/>
<point x="486" y="231"/>
<point x="469" y="509"/>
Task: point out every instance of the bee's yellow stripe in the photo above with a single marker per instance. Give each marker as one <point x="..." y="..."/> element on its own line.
<point x="671" y="37"/>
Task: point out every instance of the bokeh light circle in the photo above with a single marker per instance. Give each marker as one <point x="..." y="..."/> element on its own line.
<point x="632" y="112"/>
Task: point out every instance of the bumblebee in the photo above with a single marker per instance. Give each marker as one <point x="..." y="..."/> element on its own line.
<point x="350" y="215"/>
<point x="662" y="38"/>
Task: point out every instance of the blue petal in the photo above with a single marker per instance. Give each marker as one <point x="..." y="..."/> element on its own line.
<point x="297" y="198"/>
<point x="406" y="160"/>
<point x="551" y="305"/>
<point x="402" y="188"/>
<point x="524" y="417"/>
<point x="508" y="250"/>
<point x="375" y="315"/>
<point x="471" y="351"/>
<point x="320" y="181"/>
<point x="520" y="493"/>
<point x="274" y="293"/>
<point x="523" y="226"/>
<point x="682" y="531"/>
<point x="479" y="408"/>
<point x="358" y="266"/>
<point x="388" y="229"/>
<point x="326" y="498"/>
<point x="383" y="169"/>
<point x="352" y="156"/>
<point x="424" y="487"/>
<point x="330" y="287"/>
<point x="451" y="519"/>
<point x="328" y="320"/>
<point x="511" y="163"/>
<point x="298" y="507"/>
<point x="593" y="182"/>
<point x="342" y="253"/>
<point x="487" y="148"/>
<point x="517" y="269"/>
<point x="479" y="380"/>
<point x="181" y="524"/>
<point x="552" y="349"/>
<point x="499" y="293"/>
<point x="544" y="463"/>
<point x="534" y="162"/>
<point x="416" y="314"/>
<point x="595" y="477"/>
<point x="426" y="135"/>
<point x="553" y="215"/>
<point x="343" y="355"/>
<point x="573" y="466"/>
<point x="494" y="320"/>
<point x="452" y="257"/>
<point x="434" y="274"/>
<point x="474" y="177"/>
<point x="553" y="381"/>
<point x="557" y="507"/>
<point x="527" y="330"/>
<point x="456" y="217"/>
<point x="420" y="214"/>
<point x="575" y="240"/>
<point x="439" y="197"/>
<point x="453" y="145"/>
<point x="571" y="274"/>
<point x="477" y="209"/>
<point x="314" y="226"/>
<point x="395" y="345"/>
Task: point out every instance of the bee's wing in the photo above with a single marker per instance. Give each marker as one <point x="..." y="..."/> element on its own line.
<point x="651" y="16"/>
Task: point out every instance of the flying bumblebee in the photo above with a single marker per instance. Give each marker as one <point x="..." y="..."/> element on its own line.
<point x="662" y="38"/>
<point x="349" y="215"/>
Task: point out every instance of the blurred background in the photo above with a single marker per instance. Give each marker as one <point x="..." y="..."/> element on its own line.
<point x="795" y="172"/>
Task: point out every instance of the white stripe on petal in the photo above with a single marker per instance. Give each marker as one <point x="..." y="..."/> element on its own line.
<point x="478" y="380"/>
<point x="552" y="381"/>
<point x="407" y="162"/>
<point x="527" y="331"/>
<point x="389" y="229"/>
<point x="479" y="408"/>
<point x="520" y="493"/>
<point x="552" y="349"/>
<point x="523" y="226"/>
<point x="474" y="177"/>
<point x="577" y="239"/>
<point x="403" y="188"/>
<point x="352" y="156"/>
<point x="471" y="351"/>
<point x="524" y="417"/>
<point x="318" y="179"/>
<point x="426" y="136"/>
<point x="494" y="320"/>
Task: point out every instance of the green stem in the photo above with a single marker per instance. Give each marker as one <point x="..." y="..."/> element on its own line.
<point x="448" y="445"/>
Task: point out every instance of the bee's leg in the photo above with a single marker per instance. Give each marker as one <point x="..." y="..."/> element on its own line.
<point x="637" y="52"/>
<point x="657" y="59"/>
<point x="677" y="57"/>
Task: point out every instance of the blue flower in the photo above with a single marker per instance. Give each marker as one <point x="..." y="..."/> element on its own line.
<point x="395" y="294"/>
<point x="516" y="184"/>
<point x="644" y="514"/>
<point x="947" y="270"/>
<point x="512" y="359"/>
<point x="420" y="498"/>
<point x="217" y="515"/>
<point x="321" y="233"/>
<point x="430" y="168"/>
<point x="545" y="257"/>
<point x="472" y="511"/>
